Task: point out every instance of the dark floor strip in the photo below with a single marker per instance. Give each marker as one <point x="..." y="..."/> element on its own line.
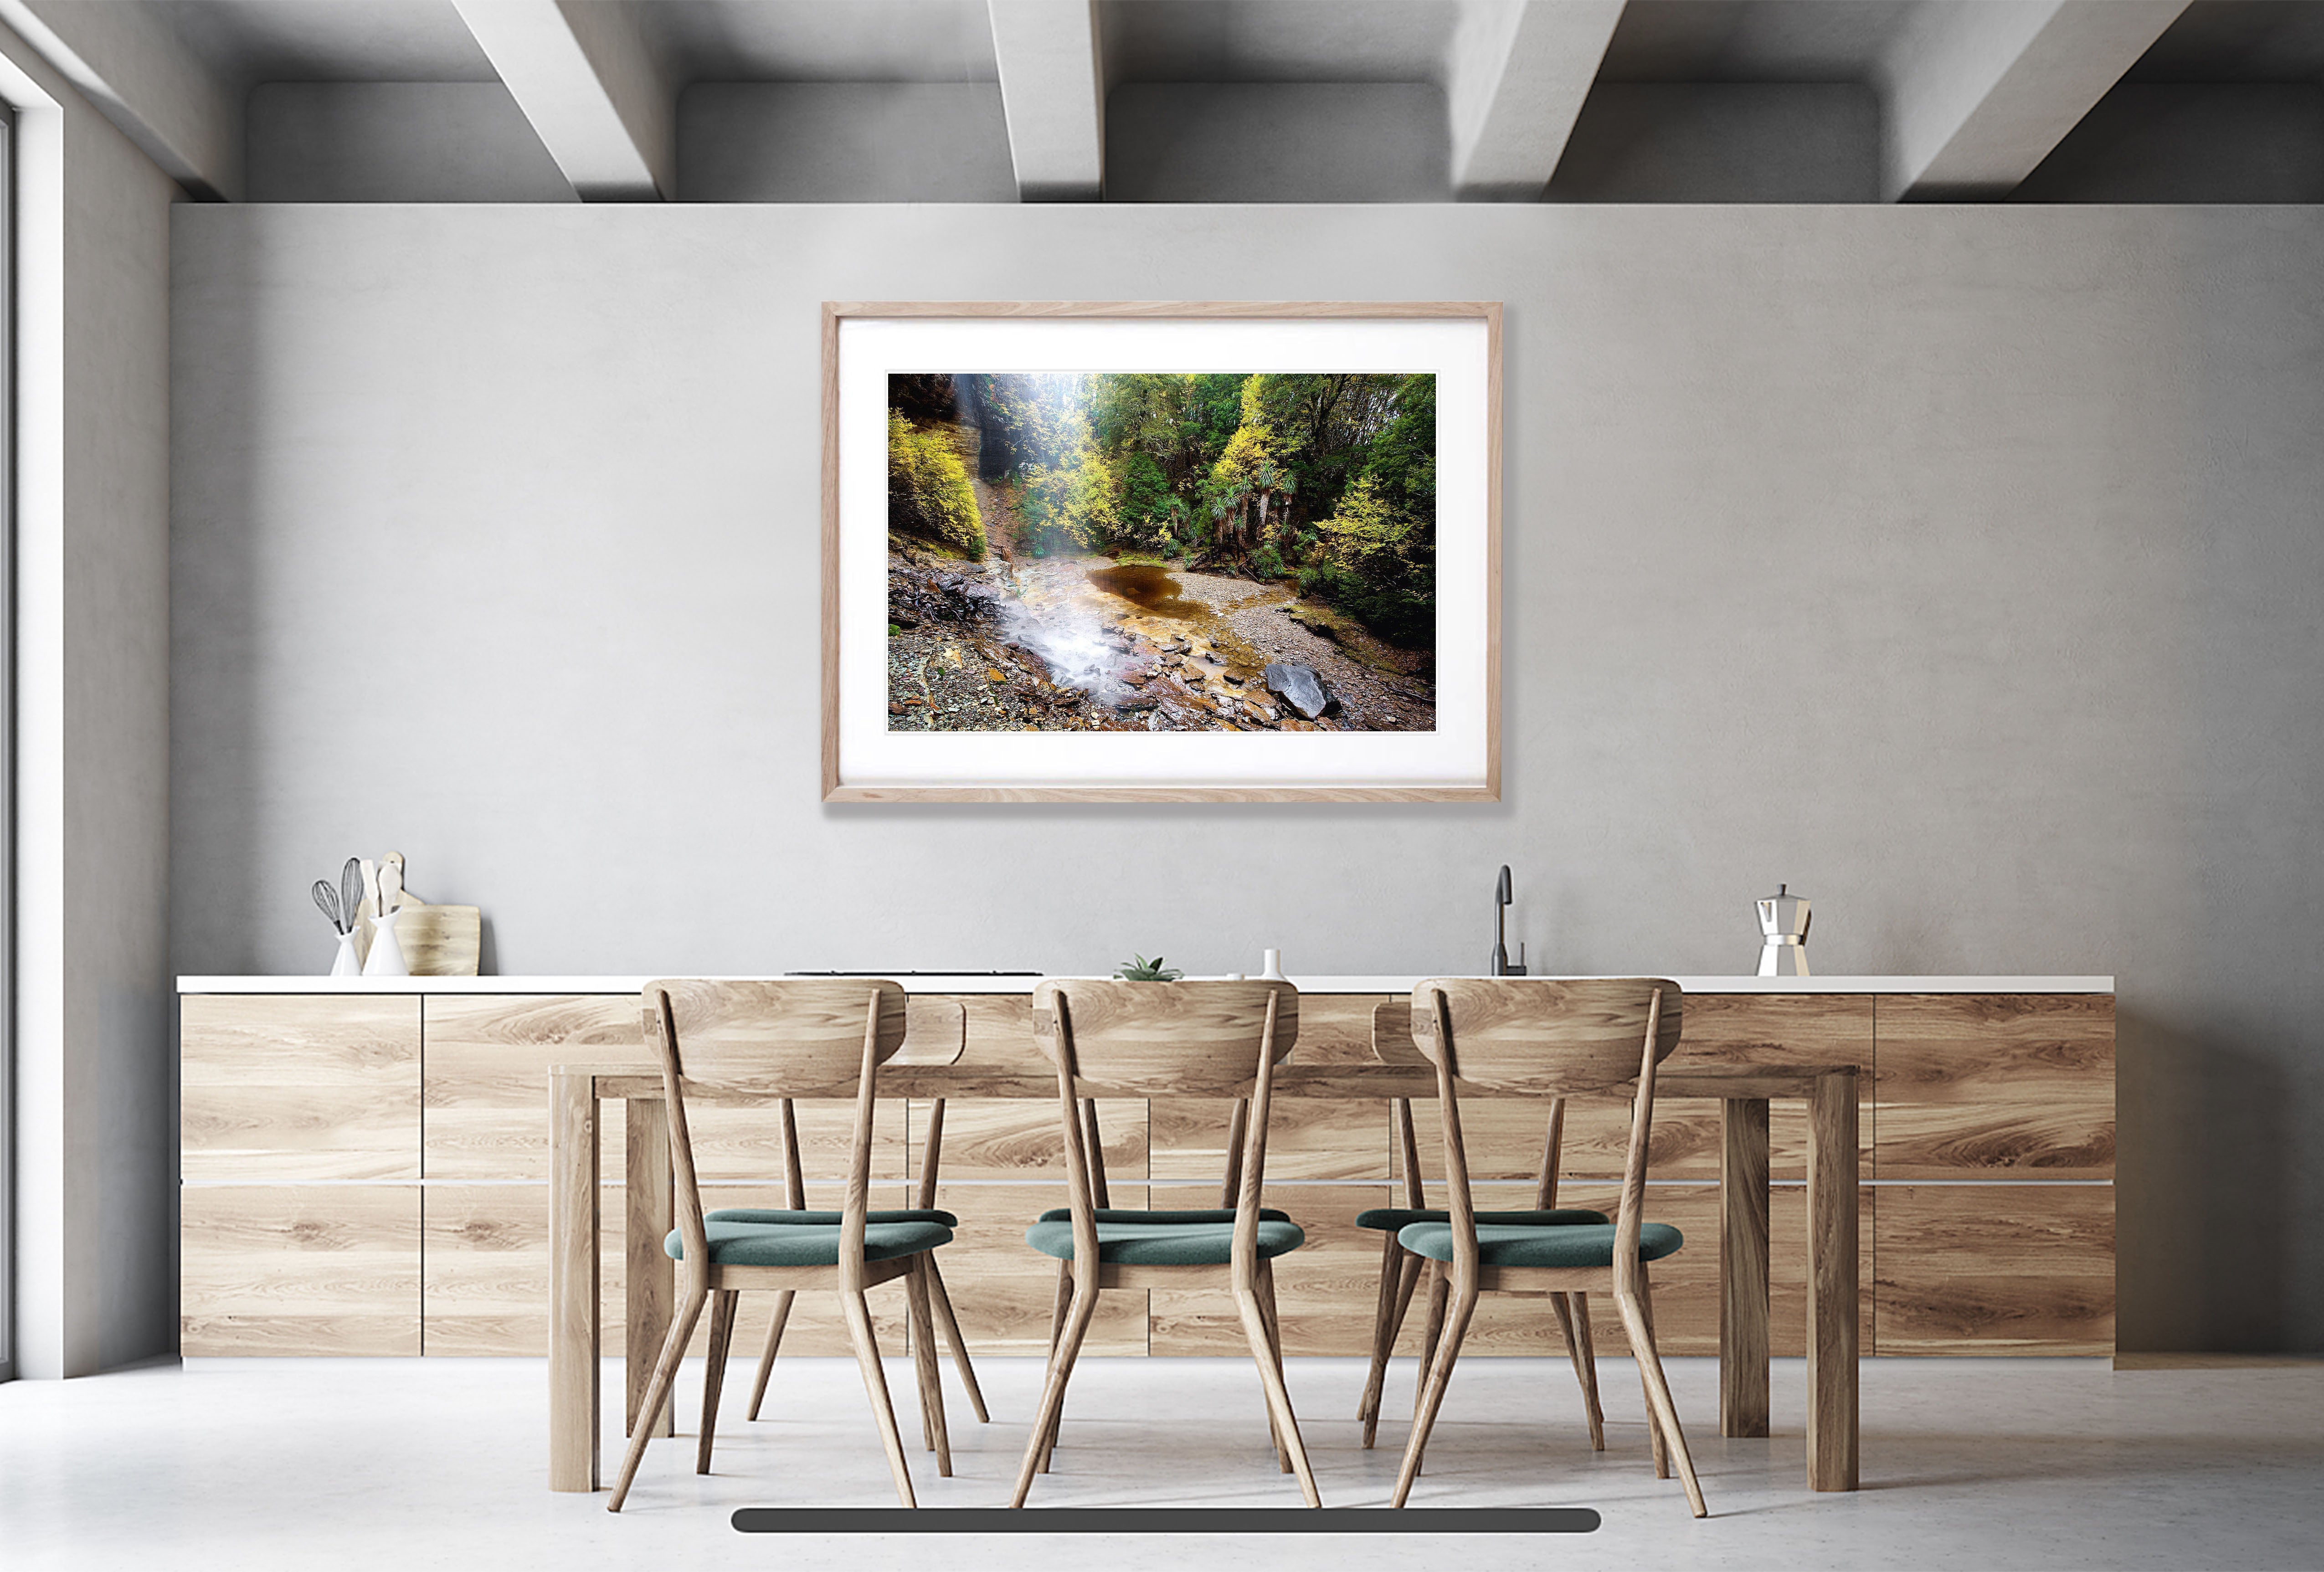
<point x="1189" y="1519"/>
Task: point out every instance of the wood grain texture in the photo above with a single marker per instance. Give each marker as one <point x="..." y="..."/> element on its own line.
<point x="837" y="789"/>
<point x="1835" y="1283"/>
<point x="485" y="1081"/>
<point x="487" y="1062"/>
<point x="1326" y="1290"/>
<point x="1009" y="1138"/>
<point x="327" y="1270"/>
<point x="1686" y="1285"/>
<point x="1996" y="1085"/>
<point x="440" y="941"/>
<point x="484" y="1273"/>
<point x="1733" y="1030"/>
<point x="576" y="1370"/>
<point x="1752" y="1031"/>
<point x="281" y="1087"/>
<point x="1337" y="1028"/>
<point x="1004" y="1291"/>
<point x="1307" y="1138"/>
<point x="1187" y="1039"/>
<point x="1996" y="1269"/>
<point x="1743" y="1298"/>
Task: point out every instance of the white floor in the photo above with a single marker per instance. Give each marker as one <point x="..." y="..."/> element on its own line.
<point x="254" y="1465"/>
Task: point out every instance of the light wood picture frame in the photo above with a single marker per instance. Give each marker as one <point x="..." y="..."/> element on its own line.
<point x="1161" y="551"/>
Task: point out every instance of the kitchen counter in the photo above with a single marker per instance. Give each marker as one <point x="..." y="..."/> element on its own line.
<point x="975" y="983"/>
<point x="365" y="1162"/>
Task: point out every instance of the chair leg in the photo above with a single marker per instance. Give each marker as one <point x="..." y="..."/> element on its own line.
<point x="1255" y="1303"/>
<point x="665" y="1372"/>
<point x="1265" y="1280"/>
<point x="950" y="1324"/>
<point x="767" y="1358"/>
<point x="1383" y="1337"/>
<point x="1057" y="1333"/>
<point x="1408" y="1275"/>
<point x="1440" y="1377"/>
<point x="1580" y="1342"/>
<point x="714" y="1372"/>
<point x="1653" y="1423"/>
<point x="1440" y="1284"/>
<point x="924" y="1366"/>
<point x="1079" y="1313"/>
<point x="1641" y="1329"/>
<point x="875" y="1386"/>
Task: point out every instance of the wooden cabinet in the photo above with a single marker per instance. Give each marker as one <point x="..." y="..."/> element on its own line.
<point x="366" y="1173"/>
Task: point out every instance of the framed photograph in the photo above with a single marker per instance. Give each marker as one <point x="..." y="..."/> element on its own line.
<point x="1161" y="551"/>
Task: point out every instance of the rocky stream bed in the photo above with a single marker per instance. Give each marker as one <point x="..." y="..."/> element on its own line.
<point x="1092" y="644"/>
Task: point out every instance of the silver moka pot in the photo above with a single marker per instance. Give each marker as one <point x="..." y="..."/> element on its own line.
<point x="1783" y="927"/>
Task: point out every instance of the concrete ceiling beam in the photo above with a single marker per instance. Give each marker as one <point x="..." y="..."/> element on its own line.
<point x="128" y="60"/>
<point x="597" y="98"/>
<point x="1052" y="84"/>
<point x="1515" y="84"/>
<point x="1979" y="91"/>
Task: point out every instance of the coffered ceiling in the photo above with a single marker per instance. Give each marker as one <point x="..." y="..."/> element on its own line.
<point x="1971" y="94"/>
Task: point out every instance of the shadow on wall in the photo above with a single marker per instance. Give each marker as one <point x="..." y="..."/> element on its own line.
<point x="2203" y="1191"/>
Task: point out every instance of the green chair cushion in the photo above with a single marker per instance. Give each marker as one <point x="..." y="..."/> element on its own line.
<point x="1208" y="1214"/>
<point x="1129" y="1239"/>
<point x="1395" y="1219"/>
<point x="735" y="1243"/>
<point x="774" y="1215"/>
<point x="1501" y="1245"/>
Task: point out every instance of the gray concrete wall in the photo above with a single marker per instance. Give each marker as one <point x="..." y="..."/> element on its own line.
<point x="843" y="141"/>
<point x="95" y="1179"/>
<point x="1276" y="141"/>
<point x="2193" y="142"/>
<point x="1957" y="565"/>
<point x="1723" y="142"/>
<point x="396" y="142"/>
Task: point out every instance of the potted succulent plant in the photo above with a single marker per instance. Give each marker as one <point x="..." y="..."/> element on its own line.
<point x="1138" y="968"/>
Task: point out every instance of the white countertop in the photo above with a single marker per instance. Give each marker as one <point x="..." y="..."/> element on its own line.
<point x="988" y="984"/>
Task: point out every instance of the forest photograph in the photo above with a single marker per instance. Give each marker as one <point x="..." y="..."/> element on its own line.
<point x="1161" y="551"/>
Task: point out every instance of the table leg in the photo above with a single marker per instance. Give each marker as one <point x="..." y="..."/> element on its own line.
<point x="652" y="1276"/>
<point x="573" y="1282"/>
<point x="1743" y="1267"/>
<point x="1832" y="1268"/>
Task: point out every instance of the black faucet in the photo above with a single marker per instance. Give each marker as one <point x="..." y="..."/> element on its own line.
<point x="1501" y="897"/>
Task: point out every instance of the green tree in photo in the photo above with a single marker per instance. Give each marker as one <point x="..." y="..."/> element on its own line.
<point x="928" y="490"/>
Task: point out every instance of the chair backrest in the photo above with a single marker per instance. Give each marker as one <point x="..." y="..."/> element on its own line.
<point x="1160" y="1039"/>
<point x="806" y="1036"/>
<point x="802" y="1033"/>
<point x="1547" y="1036"/>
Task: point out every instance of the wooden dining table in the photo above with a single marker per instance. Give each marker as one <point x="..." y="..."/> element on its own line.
<point x="578" y="1094"/>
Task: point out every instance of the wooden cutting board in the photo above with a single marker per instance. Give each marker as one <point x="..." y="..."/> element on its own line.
<point x="437" y="941"/>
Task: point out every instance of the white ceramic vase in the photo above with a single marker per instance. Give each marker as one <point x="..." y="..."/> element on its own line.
<point x="346" y="964"/>
<point x="386" y="956"/>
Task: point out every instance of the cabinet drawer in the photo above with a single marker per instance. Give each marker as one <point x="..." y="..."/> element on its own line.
<point x="299" y="1269"/>
<point x="283" y="1088"/>
<point x="1995" y="1269"/>
<point x="1998" y="1085"/>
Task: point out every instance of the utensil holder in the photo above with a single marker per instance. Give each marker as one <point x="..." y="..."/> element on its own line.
<point x="386" y="956"/>
<point x="345" y="963"/>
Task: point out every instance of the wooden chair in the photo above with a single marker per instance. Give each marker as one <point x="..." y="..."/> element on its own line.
<point x="794" y="1211"/>
<point x="1401" y="1270"/>
<point x="1165" y="1039"/>
<point x="796" y="1039"/>
<point x="1548" y="1039"/>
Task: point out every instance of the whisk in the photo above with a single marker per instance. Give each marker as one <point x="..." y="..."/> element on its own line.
<point x="339" y="904"/>
<point x="327" y="901"/>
